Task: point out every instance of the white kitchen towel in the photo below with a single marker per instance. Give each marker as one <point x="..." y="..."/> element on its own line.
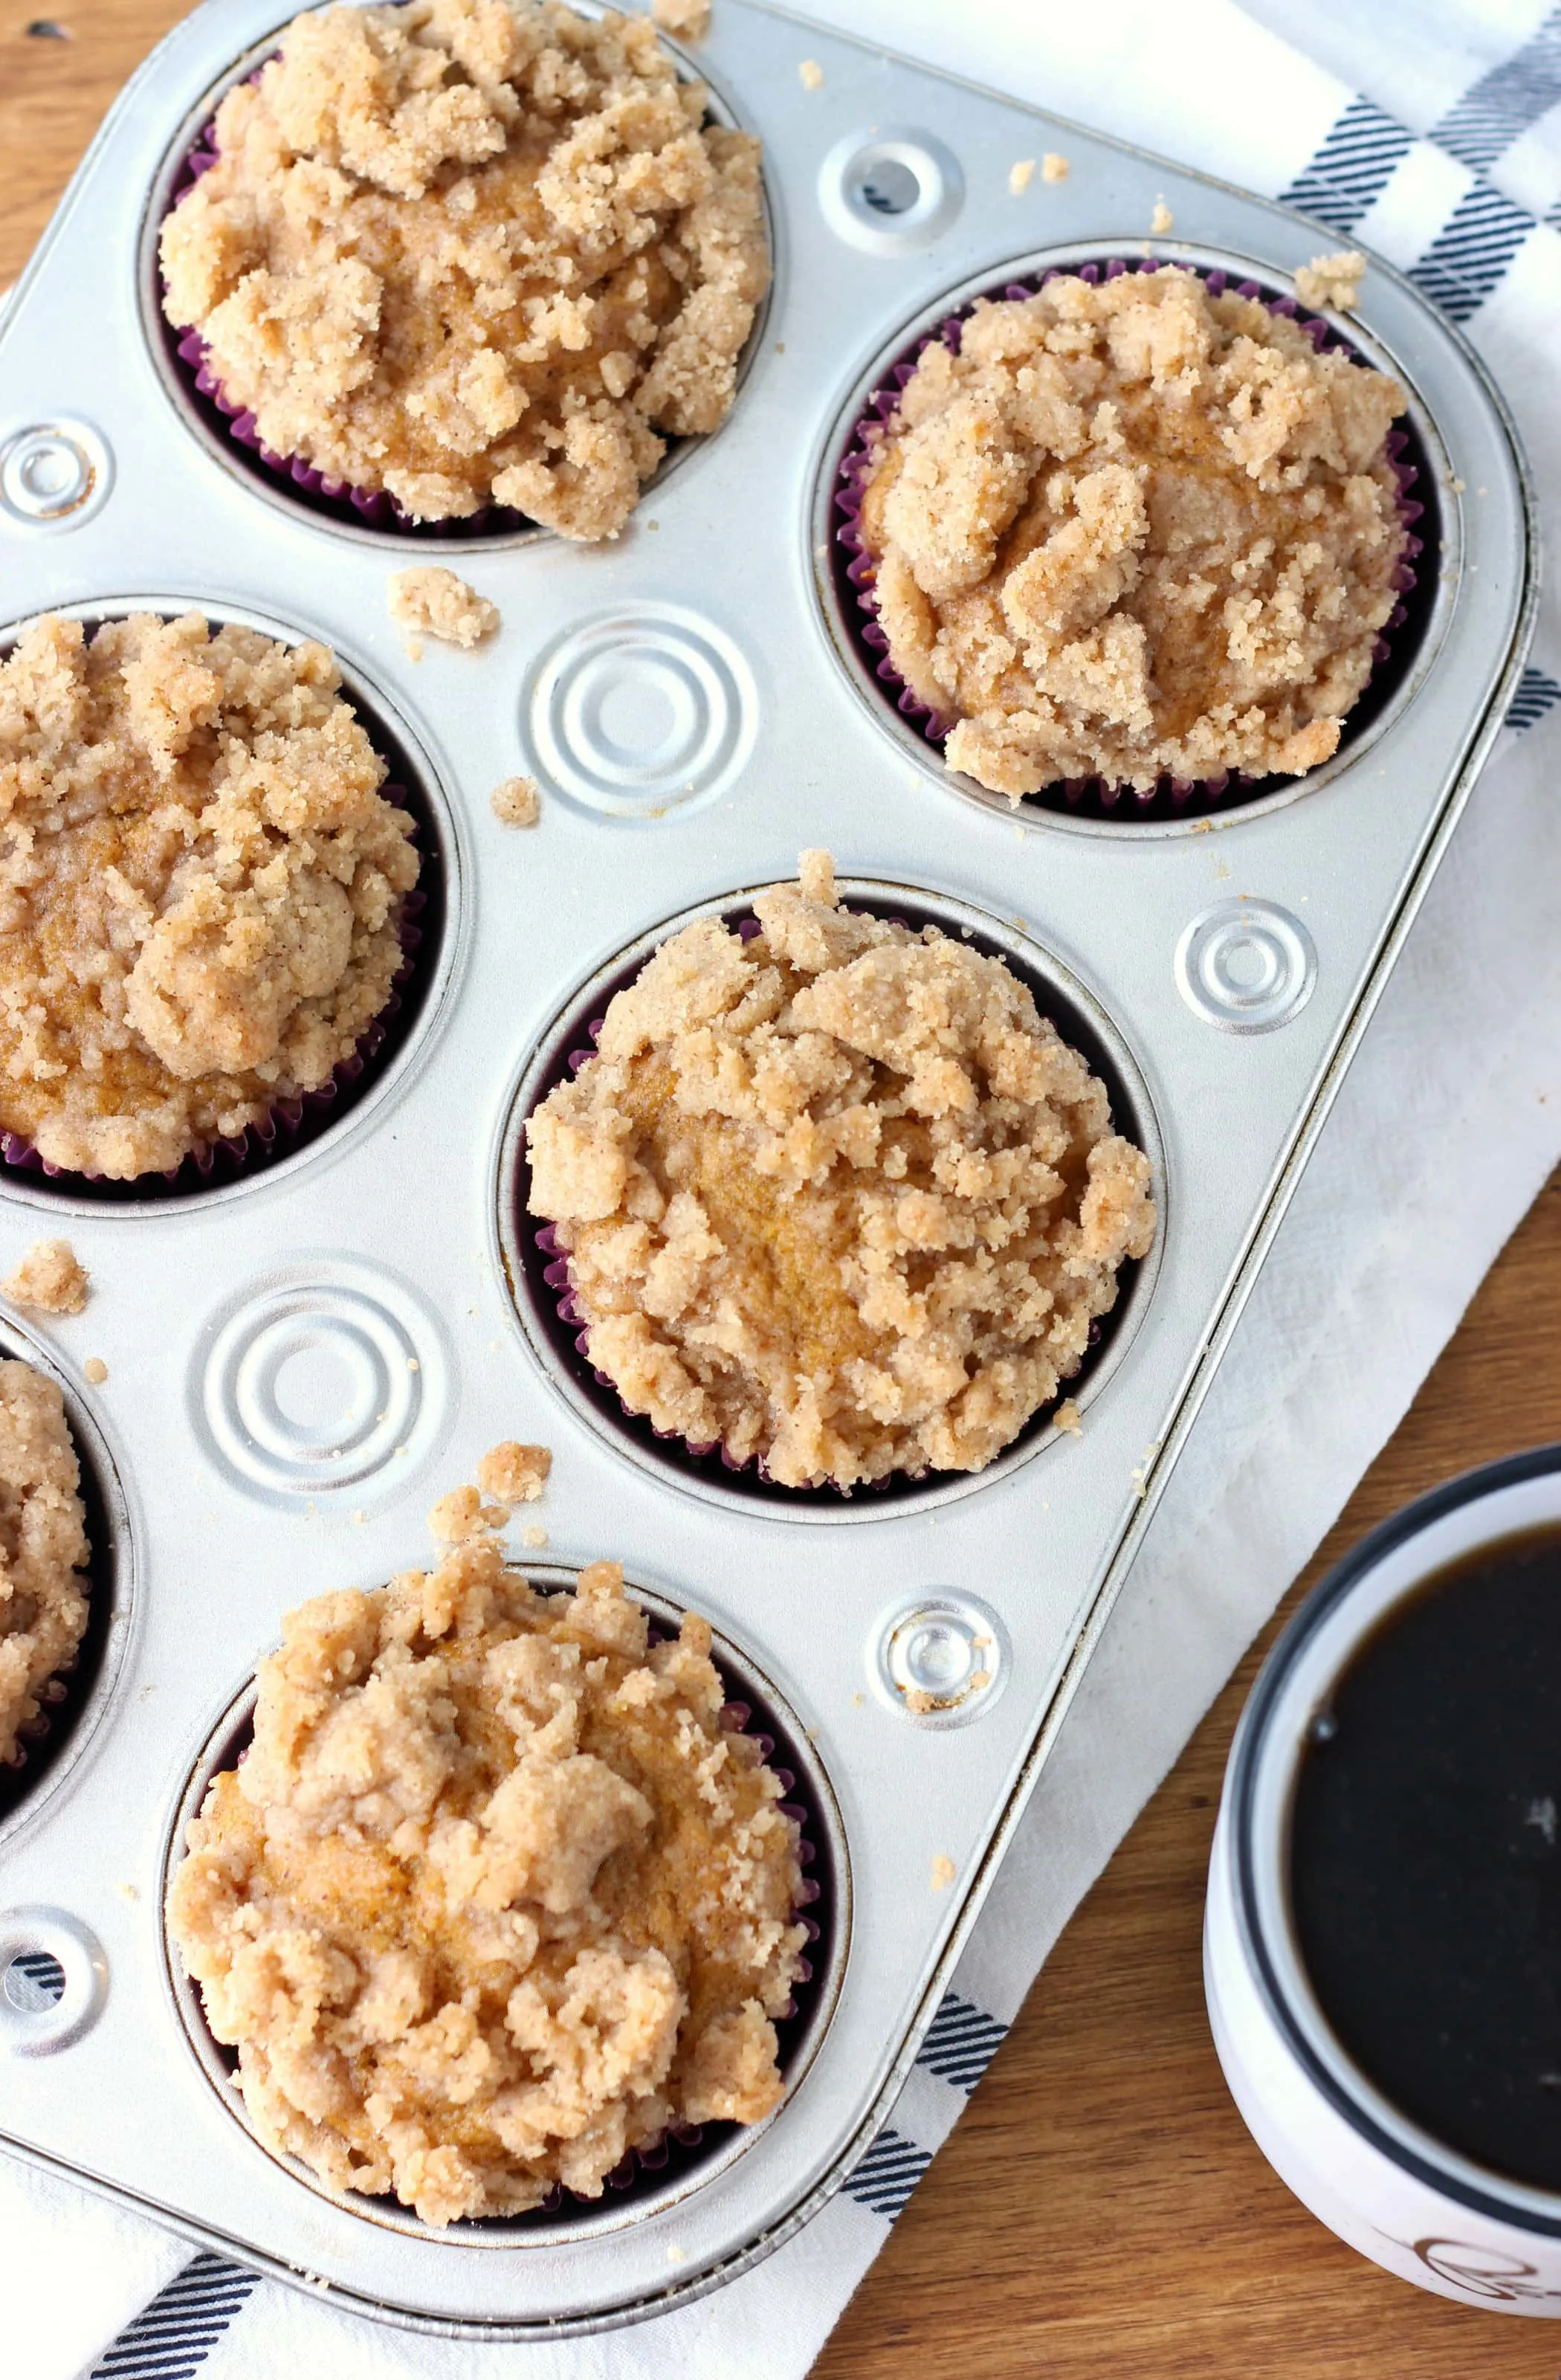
<point x="1445" y="1128"/>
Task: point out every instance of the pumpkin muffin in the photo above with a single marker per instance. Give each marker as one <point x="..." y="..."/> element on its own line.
<point x="200" y="887"/>
<point x="43" y="1550"/>
<point x="837" y="1195"/>
<point x="494" y="1898"/>
<point x="473" y="252"/>
<point x="1131" y="529"/>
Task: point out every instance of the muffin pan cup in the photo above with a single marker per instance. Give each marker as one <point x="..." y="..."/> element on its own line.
<point x="854" y="575"/>
<point x="229" y="430"/>
<point x="659" y="2173"/>
<point x="302" y="1360"/>
<point x="73" y="1702"/>
<point x="538" y="1268"/>
<point x="295" y="1122"/>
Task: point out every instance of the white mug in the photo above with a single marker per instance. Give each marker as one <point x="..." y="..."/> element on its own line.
<point x="1390" y="2188"/>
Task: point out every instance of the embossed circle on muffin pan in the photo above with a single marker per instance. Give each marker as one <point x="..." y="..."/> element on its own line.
<point x="76" y="1699"/>
<point x="650" y="2181"/>
<point x="539" y="1297"/>
<point x="1406" y="649"/>
<point x="226" y="432"/>
<point x="429" y="935"/>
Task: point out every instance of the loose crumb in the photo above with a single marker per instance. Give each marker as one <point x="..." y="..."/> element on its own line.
<point x="836" y="1196"/>
<point x="943" y="1872"/>
<point x="129" y="1891"/>
<point x="473" y="252"/>
<point x="494" y="1898"/>
<point x="689" y="18"/>
<point x="811" y="75"/>
<point x="1162" y="220"/>
<point x="43" y="1551"/>
<point x="1069" y="1417"/>
<point x="432" y="601"/>
<point x="534" y="1540"/>
<point x="48" y="1279"/>
<point x="1053" y="167"/>
<point x="95" y="1370"/>
<point x="1333" y="281"/>
<point x="1133" y="531"/>
<point x="918" y="1702"/>
<point x="200" y="887"/>
<point x="1020" y="175"/>
<point x="512" y="1473"/>
<point x="517" y="801"/>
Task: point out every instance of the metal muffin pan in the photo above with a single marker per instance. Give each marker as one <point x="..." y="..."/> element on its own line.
<point x="681" y="696"/>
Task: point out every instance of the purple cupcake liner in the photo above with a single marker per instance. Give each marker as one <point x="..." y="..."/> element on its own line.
<point x="1092" y="797"/>
<point x="550" y="1293"/>
<point x="678" y="2156"/>
<point x="296" y="1124"/>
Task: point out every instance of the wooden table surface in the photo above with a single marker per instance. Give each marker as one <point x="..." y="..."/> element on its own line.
<point x="1100" y="2212"/>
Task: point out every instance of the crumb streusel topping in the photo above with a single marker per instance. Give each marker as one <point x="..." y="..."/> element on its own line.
<point x="837" y="1197"/>
<point x="44" y="1547"/>
<point x="430" y="601"/>
<point x="49" y="1278"/>
<point x="201" y="886"/>
<point x="1332" y="280"/>
<point x="474" y="252"/>
<point x="516" y="801"/>
<point x="1132" y="530"/>
<point x="494" y="1898"/>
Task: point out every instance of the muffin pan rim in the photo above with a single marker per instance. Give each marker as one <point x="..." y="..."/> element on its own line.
<point x="1035" y="966"/>
<point x="607" y="2219"/>
<point x="446" y="965"/>
<point x="405" y="546"/>
<point x="839" y="632"/>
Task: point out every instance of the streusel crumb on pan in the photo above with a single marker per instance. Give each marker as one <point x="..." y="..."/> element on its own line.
<point x="49" y="1278"/>
<point x="839" y="1195"/>
<point x="1132" y="531"/>
<point x="494" y="1898"/>
<point x="201" y="886"/>
<point x="428" y="602"/>
<point x="474" y="252"/>
<point x="44" y="1547"/>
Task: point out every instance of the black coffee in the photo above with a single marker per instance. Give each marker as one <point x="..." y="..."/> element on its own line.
<point x="1426" y="1858"/>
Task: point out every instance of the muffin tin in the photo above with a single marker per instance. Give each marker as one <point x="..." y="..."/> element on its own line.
<point x="300" y="1357"/>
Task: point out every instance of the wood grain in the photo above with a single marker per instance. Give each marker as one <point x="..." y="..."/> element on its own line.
<point x="54" y="94"/>
<point x="1100" y="2210"/>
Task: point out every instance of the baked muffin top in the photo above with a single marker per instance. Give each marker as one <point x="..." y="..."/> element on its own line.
<point x="201" y="886"/>
<point x="494" y="1897"/>
<point x="43" y="1548"/>
<point x="837" y="1195"/>
<point x="474" y="252"/>
<point x="1131" y="529"/>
